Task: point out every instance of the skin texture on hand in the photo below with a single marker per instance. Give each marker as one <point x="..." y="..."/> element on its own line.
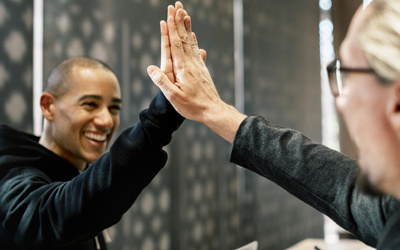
<point x="185" y="80"/>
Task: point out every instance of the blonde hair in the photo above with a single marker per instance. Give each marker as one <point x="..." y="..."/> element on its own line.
<point x="380" y="39"/>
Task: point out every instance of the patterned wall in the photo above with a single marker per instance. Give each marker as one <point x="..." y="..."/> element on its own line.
<point x="16" y="39"/>
<point x="206" y="192"/>
<point x="193" y="203"/>
<point x="282" y="84"/>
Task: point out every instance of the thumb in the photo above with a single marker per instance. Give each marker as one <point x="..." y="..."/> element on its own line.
<point x="160" y="79"/>
<point x="158" y="76"/>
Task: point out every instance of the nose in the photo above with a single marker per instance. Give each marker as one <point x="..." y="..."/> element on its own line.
<point x="104" y="119"/>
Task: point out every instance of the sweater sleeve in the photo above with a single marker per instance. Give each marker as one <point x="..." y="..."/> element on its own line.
<point x="319" y="176"/>
<point x="38" y="214"/>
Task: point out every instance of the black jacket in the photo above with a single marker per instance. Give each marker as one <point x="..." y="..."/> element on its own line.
<point x="46" y="204"/>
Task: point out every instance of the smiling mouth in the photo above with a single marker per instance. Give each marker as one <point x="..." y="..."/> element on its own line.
<point x="96" y="137"/>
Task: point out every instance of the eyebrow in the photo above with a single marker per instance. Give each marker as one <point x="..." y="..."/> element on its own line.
<point x="117" y="100"/>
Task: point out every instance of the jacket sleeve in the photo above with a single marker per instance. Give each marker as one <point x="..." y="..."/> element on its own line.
<point x="321" y="177"/>
<point x="38" y="213"/>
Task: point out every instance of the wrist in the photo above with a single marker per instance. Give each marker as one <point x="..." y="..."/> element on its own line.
<point x="162" y="113"/>
<point x="225" y="120"/>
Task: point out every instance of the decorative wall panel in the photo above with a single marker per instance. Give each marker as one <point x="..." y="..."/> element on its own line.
<point x="193" y="203"/>
<point x="16" y="43"/>
<point x="282" y="83"/>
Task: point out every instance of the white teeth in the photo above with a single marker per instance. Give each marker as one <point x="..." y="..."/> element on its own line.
<point x="96" y="137"/>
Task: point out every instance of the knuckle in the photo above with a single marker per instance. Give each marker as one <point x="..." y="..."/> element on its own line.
<point x="159" y="79"/>
<point x="198" y="53"/>
<point x="185" y="40"/>
<point x="164" y="46"/>
<point x="178" y="66"/>
<point x="178" y="43"/>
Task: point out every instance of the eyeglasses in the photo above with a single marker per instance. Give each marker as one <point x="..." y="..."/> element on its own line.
<point x="337" y="73"/>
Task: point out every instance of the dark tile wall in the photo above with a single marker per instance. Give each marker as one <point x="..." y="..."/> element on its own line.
<point x="193" y="203"/>
<point x="205" y="191"/>
<point x="16" y="40"/>
<point x="282" y="83"/>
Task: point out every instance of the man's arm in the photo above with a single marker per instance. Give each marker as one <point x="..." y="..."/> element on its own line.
<point x="314" y="173"/>
<point x="39" y="212"/>
<point x="193" y="93"/>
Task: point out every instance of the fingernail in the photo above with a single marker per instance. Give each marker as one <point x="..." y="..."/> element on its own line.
<point x="150" y="70"/>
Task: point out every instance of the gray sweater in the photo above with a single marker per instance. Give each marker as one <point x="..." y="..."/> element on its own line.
<point x="319" y="176"/>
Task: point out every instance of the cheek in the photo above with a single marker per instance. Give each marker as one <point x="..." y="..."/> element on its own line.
<point x="116" y="122"/>
<point x="380" y="153"/>
<point x="350" y="109"/>
<point x="340" y="104"/>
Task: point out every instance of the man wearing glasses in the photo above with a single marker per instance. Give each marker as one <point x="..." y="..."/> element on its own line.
<point x="366" y="84"/>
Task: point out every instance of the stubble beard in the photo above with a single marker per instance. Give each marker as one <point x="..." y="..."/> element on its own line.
<point x="364" y="184"/>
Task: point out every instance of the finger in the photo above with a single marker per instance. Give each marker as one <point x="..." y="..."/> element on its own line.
<point x="178" y="5"/>
<point x="166" y="60"/>
<point x="195" y="42"/>
<point x="189" y="32"/>
<point x="171" y="11"/>
<point x="165" y="46"/>
<point x="161" y="80"/>
<point x="188" y="26"/>
<point x="177" y="52"/>
<point x="195" y="47"/>
<point x="180" y="25"/>
<point x="203" y="54"/>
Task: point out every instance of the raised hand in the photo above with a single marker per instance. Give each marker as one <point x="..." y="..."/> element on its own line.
<point x="188" y="68"/>
<point x="192" y="92"/>
<point x="166" y="59"/>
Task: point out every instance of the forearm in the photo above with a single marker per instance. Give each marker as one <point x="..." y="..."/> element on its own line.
<point x="319" y="176"/>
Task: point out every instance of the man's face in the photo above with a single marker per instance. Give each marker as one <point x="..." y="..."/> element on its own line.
<point x="366" y="107"/>
<point x="86" y="117"/>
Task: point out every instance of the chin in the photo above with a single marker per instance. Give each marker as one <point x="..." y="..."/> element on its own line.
<point x="93" y="157"/>
<point x="365" y="185"/>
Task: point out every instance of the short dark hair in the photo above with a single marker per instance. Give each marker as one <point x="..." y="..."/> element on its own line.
<point x="59" y="80"/>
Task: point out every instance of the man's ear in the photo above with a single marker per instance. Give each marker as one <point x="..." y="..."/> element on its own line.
<point x="47" y="102"/>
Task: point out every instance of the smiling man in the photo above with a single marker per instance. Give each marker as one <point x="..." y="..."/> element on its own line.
<point x="84" y="98"/>
<point x="49" y="197"/>
<point x="366" y="83"/>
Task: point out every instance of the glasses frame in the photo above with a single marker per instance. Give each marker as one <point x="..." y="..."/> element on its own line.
<point x="335" y="70"/>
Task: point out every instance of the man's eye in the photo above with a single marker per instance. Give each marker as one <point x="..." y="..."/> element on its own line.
<point x="90" y="104"/>
<point x="115" y="109"/>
